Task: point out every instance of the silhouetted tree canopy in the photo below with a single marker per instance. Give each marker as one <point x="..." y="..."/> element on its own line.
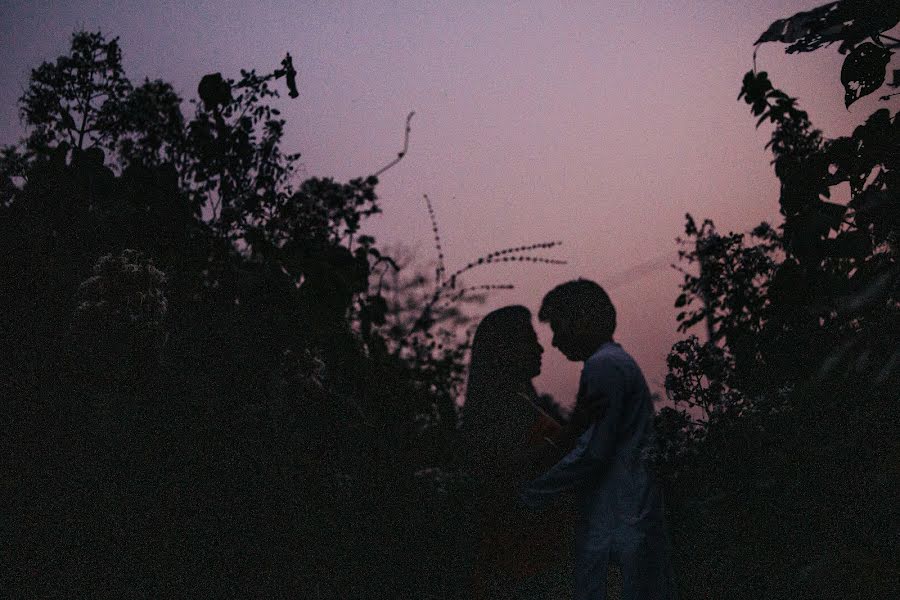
<point x="204" y="392"/>
<point x="777" y="451"/>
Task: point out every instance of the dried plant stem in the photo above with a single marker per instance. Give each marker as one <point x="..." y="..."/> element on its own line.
<point x="439" y="273"/>
<point x="402" y="153"/>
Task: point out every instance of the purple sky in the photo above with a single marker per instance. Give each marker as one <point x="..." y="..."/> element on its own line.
<point x="599" y="124"/>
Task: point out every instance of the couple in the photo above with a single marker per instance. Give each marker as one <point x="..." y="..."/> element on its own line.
<point x="522" y="459"/>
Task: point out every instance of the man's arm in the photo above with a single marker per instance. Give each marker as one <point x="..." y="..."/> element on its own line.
<point x="588" y="410"/>
<point x="548" y="442"/>
<point x="602" y="383"/>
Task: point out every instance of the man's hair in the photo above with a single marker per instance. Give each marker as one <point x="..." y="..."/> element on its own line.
<point x="579" y="299"/>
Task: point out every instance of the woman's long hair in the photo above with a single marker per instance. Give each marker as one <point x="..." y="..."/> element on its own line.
<point x="490" y="368"/>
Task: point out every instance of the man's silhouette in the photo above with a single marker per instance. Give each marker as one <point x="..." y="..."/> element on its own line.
<point x="619" y="502"/>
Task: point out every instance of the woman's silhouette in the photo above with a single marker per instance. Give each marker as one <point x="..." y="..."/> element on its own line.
<point x="507" y="440"/>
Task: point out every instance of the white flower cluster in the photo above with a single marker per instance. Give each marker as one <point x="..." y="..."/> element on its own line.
<point x="127" y="287"/>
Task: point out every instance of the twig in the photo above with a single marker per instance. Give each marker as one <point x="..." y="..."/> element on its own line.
<point x="541" y="246"/>
<point x="439" y="273"/>
<point x="495" y="258"/>
<point x="402" y="153"/>
<point x="290" y="74"/>
<point x="390" y="264"/>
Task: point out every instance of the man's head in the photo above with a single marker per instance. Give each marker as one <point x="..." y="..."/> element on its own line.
<point x="581" y="316"/>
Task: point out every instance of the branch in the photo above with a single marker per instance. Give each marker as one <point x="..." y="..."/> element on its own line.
<point x="439" y="273"/>
<point x="402" y="153"/>
<point x="497" y="256"/>
<point x="82" y="130"/>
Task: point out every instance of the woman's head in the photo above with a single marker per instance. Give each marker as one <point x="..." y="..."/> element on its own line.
<point x="505" y="347"/>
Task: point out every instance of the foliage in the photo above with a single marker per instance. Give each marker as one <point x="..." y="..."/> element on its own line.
<point x="76" y="99"/>
<point x="784" y="419"/>
<point x="222" y="396"/>
<point x="849" y="22"/>
<point x="119" y="320"/>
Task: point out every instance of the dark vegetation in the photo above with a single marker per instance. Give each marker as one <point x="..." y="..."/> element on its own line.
<point x="214" y="384"/>
<point x="789" y="487"/>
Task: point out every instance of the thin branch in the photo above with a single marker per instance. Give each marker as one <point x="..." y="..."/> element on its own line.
<point x="494" y="257"/>
<point x="541" y="246"/>
<point x="390" y="265"/>
<point x="439" y="272"/>
<point x="402" y="153"/>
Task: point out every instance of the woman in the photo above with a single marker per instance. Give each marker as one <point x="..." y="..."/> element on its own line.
<point x="508" y="440"/>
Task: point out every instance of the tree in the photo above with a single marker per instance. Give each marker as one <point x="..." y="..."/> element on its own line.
<point x="796" y="381"/>
<point x="199" y="355"/>
<point x="75" y="99"/>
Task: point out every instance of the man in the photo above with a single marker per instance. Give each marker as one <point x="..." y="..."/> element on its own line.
<point x="619" y="502"/>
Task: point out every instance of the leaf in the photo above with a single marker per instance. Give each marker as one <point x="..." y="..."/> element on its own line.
<point x="94" y="156"/>
<point x="896" y="82"/>
<point x="377" y="309"/>
<point x="850" y="244"/>
<point x="290" y="75"/>
<point x="870" y="206"/>
<point x="831" y="214"/>
<point x="813" y="26"/>
<point x="846" y="21"/>
<point x="863" y="71"/>
<point x="214" y="90"/>
<point x="67" y="121"/>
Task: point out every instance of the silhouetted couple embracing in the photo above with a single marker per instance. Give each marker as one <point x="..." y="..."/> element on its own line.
<point x="522" y="459"/>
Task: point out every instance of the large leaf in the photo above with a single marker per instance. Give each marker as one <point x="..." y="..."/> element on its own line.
<point x="214" y="91"/>
<point x="846" y="21"/>
<point x="807" y="30"/>
<point x="831" y="215"/>
<point x="863" y="71"/>
<point x="850" y="244"/>
<point x="896" y="82"/>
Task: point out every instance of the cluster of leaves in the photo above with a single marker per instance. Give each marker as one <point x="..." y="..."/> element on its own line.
<point x="836" y="254"/>
<point x="204" y="358"/>
<point x="119" y="321"/>
<point x="790" y="404"/>
<point x="849" y="22"/>
<point x="77" y="99"/>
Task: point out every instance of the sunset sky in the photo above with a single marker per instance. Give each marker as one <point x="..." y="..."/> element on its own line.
<point x="596" y="123"/>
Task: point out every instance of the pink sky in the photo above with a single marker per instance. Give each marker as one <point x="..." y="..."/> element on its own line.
<point x="597" y="123"/>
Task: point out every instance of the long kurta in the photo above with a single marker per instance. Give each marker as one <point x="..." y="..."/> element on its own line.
<point x="619" y="501"/>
